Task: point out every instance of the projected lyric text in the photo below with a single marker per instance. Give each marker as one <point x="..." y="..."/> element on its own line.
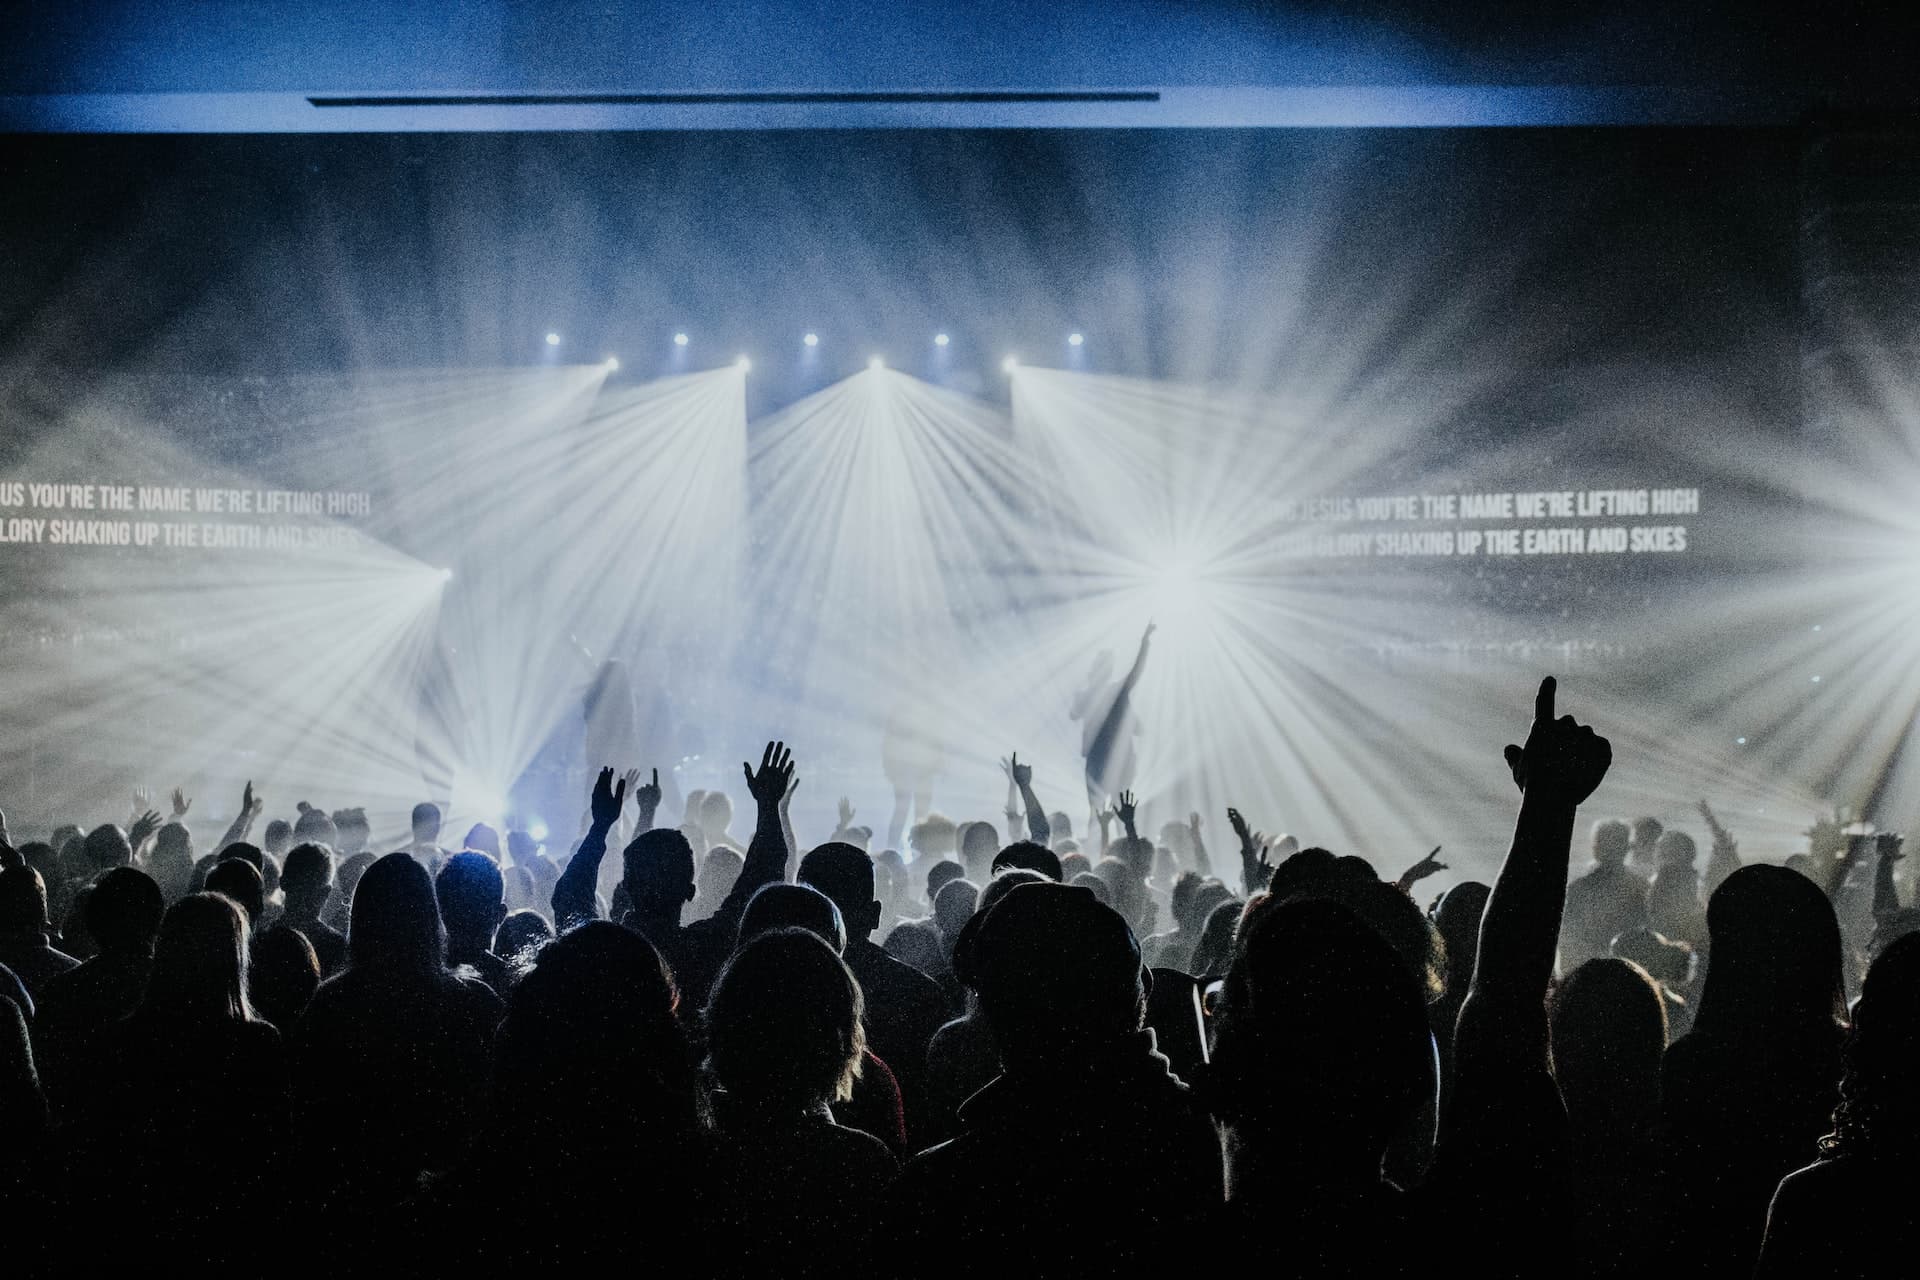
<point x="1554" y="522"/>
<point x="197" y="518"/>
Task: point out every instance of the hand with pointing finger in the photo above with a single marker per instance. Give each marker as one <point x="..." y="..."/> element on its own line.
<point x="1563" y="760"/>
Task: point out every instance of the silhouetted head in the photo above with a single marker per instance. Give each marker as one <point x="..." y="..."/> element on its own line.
<point x="306" y="881"/>
<point x="591" y="1040"/>
<point x="123" y="912"/>
<point x="1676" y="849"/>
<point x="395" y="922"/>
<point x="472" y="897"/>
<point x="1323" y="1049"/>
<point x="199" y="968"/>
<point x="278" y="837"/>
<point x="522" y="847"/>
<point x="249" y="853"/>
<point x="1879" y="1112"/>
<point x="719" y="869"/>
<point x="286" y="973"/>
<point x="1458" y="920"/>
<point x="1214" y="951"/>
<point x="784" y="1033"/>
<point x="1073" y="865"/>
<point x="1028" y="855"/>
<point x="793" y="906"/>
<point x="23" y="901"/>
<point x="933" y="838"/>
<point x="1180" y="900"/>
<point x="238" y="880"/>
<point x="1663" y="960"/>
<point x="347" y="875"/>
<point x="1137" y="854"/>
<point x="917" y="942"/>
<point x="107" y="848"/>
<point x="953" y="906"/>
<point x="657" y="871"/>
<point x="1609" y="1029"/>
<point x="1094" y="885"/>
<point x="315" y="827"/>
<point x="939" y="874"/>
<point x="979" y="845"/>
<point x="1351" y="882"/>
<point x="716" y="814"/>
<point x="845" y="874"/>
<point x="1059" y="825"/>
<point x="482" y="838"/>
<point x="1126" y="890"/>
<point x="520" y="937"/>
<point x="426" y="823"/>
<point x="45" y="858"/>
<point x="1004" y="883"/>
<point x="1057" y="973"/>
<point x="171" y="860"/>
<point x="351" y="831"/>
<point x="1612" y="839"/>
<point x="1776" y="970"/>
<point x="1646" y="834"/>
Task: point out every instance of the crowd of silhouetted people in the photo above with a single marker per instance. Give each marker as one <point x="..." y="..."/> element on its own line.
<point x="1008" y="1049"/>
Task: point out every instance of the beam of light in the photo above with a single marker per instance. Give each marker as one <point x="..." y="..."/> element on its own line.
<point x="287" y="666"/>
<point x="1276" y="683"/>
<point x="883" y="537"/>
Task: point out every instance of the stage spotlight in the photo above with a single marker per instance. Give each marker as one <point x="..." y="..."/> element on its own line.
<point x="1075" y="339"/>
<point x="679" y="339"/>
<point x="743" y="364"/>
<point x="537" y="829"/>
<point x="940" y="339"/>
<point x="553" y="339"/>
<point x="875" y="362"/>
<point x="613" y="364"/>
<point x="1010" y="364"/>
<point x="812" y="339"/>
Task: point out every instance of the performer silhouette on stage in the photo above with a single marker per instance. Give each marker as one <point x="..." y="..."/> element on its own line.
<point x="1108" y="727"/>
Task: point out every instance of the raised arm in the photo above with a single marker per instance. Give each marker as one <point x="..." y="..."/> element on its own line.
<point x="1125" y="806"/>
<point x="1139" y="662"/>
<point x="1022" y="776"/>
<point x="250" y="807"/>
<point x="1255" y="871"/>
<point x="1413" y="875"/>
<point x="574" y="899"/>
<point x="766" y="861"/>
<point x="1503" y="1023"/>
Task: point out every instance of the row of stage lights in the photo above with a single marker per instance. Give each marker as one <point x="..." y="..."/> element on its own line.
<point x="812" y="340"/>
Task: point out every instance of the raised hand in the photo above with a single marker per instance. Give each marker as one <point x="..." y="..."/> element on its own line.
<point x="608" y="799"/>
<point x="769" y="786"/>
<point x="646" y="796"/>
<point x="1125" y="807"/>
<point x="1887" y="843"/>
<point x="631" y="778"/>
<point x="846" y="813"/>
<point x="1427" y="866"/>
<point x="251" y="804"/>
<point x="142" y="800"/>
<point x="143" y="828"/>
<point x="181" y="803"/>
<point x="1563" y="760"/>
<point x="1021" y="775"/>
